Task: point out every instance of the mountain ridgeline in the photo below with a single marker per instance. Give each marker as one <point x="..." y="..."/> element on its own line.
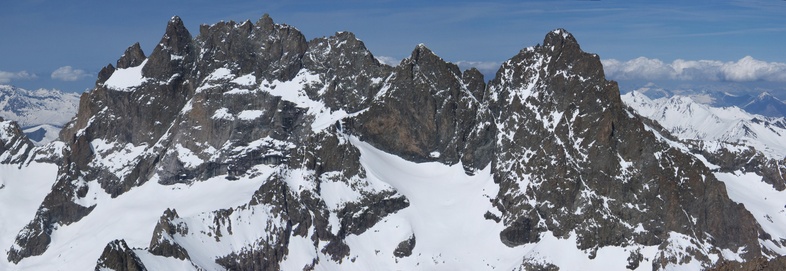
<point x="545" y="155"/>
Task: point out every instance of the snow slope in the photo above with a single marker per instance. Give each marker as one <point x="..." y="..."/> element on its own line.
<point x="444" y="203"/>
<point x="446" y="217"/>
<point x="767" y="204"/>
<point x="21" y="192"/>
<point x="131" y="216"/>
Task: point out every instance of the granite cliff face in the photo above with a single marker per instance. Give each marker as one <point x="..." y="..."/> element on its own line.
<point x="248" y="147"/>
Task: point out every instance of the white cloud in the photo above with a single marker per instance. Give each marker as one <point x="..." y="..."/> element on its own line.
<point x="68" y="73"/>
<point x="744" y="70"/>
<point x="485" y="67"/>
<point x="391" y="61"/>
<point x="6" y="77"/>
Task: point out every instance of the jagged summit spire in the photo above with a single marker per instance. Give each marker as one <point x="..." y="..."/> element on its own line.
<point x="132" y="57"/>
<point x="176" y="35"/>
<point x="559" y="38"/>
<point x="265" y="22"/>
<point x="422" y="52"/>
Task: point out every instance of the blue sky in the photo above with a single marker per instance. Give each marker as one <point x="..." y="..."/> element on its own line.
<point x="63" y="44"/>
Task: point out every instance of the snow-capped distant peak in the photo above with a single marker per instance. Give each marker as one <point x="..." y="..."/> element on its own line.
<point x="766" y="95"/>
<point x="43" y="108"/>
<point x="688" y="119"/>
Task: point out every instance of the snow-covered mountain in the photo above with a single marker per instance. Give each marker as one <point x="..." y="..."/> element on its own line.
<point x="248" y="147"/>
<point x="766" y="104"/>
<point x="763" y="103"/>
<point x="687" y="119"/>
<point x="41" y="113"/>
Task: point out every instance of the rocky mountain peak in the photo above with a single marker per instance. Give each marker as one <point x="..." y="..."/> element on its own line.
<point x="558" y="72"/>
<point x="176" y="37"/>
<point x="766" y="95"/>
<point x="132" y="57"/>
<point x="267" y="50"/>
<point x="265" y="22"/>
<point x="104" y="74"/>
<point x="118" y="256"/>
<point x="434" y="110"/>
<point x="559" y="38"/>
<point x="352" y="73"/>
<point x="766" y="104"/>
<point x="422" y="52"/>
<point x="553" y="103"/>
<point x="174" y="47"/>
<point x="313" y="152"/>
<point x="342" y="50"/>
<point x="424" y="62"/>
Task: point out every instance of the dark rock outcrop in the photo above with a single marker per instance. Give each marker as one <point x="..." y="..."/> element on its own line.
<point x="268" y="50"/>
<point x="118" y="256"/>
<point x="163" y="242"/>
<point x="132" y="57"/>
<point x="591" y="165"/>
<point x="15" y="147"/>
<point x="353" y="76"/>
<point x="404" y="249"/>
<point x="428" y="111"/>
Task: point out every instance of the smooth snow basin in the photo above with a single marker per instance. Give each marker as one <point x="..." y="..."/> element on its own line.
<point x="446" y="215"/>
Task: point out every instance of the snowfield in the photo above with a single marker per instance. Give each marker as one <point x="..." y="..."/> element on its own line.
<point x="21" y="192"/>
<point x="445" y="216"/>
<point x="131" y="216"/>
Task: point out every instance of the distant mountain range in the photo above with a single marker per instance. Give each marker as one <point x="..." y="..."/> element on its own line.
<point x="40" y="113"/>
<point x="767" y="105"/>
<point x="689" y="120"/>
<point x="762" y="104"/>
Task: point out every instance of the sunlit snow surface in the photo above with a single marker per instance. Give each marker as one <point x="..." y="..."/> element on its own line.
<point x="23" y="190"/>
<point x="445" y="215"/>
<point x="127" y="79"/>
<point x="766" y="204"/>
<point x="131" y="216"/>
